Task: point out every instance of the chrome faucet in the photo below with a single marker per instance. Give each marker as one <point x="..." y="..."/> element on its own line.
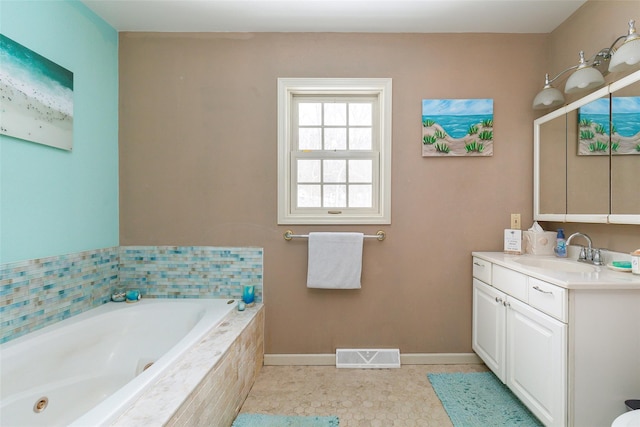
<point x="588" y="254"/>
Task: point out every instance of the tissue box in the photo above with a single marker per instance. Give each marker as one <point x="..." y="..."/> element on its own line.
<point x="539" y="243"/>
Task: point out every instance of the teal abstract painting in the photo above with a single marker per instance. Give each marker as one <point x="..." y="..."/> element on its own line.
<point x="36" y="97"/>
<point x="457" y="127"/>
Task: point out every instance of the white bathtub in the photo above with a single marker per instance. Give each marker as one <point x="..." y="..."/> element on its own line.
<point x="90" y="367"/>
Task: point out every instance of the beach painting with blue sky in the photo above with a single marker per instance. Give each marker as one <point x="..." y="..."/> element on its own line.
<point x="457" y="127"/>
<point x="36" y="97"/>
<point x="596" y="136"/>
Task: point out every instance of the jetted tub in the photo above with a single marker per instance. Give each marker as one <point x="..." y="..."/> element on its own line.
<point x="86" y="370"/>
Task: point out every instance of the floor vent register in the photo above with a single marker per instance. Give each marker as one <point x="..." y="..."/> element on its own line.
<point x="371" y="358"/>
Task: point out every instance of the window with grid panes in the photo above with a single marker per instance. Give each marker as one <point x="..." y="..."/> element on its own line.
<point x="334" y="139"/>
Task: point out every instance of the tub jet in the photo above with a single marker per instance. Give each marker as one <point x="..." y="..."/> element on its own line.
<point x="40" y="405"/>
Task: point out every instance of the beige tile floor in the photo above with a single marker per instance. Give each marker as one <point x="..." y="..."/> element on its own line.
<point x="359" y="397"/>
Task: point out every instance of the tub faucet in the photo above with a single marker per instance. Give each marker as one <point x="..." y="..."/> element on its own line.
<point x="588" y="254"/>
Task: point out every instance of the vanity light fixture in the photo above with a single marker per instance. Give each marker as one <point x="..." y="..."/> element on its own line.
<point x="549" y="96"/>
<point x="589" y="73"/>
<point x="585" y="77"/>
<point x="628" y="54"/>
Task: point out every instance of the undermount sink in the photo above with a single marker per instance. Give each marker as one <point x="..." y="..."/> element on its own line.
<point x="557" y="265"/>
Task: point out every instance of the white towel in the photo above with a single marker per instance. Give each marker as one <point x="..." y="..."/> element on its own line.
<point x="335" y="260"/>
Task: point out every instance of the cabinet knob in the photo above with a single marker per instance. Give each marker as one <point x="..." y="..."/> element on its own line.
<point x="498" y="299"/>
<point x="478" y="264"/>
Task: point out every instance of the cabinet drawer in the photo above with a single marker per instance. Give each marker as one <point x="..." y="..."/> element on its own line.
<point x="548" y="298"/>
<point x="482" y="270"/>
<point x="510" y="282"/>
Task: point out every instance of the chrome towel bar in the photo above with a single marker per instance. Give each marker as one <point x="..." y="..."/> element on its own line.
<point x="380" y="235"/>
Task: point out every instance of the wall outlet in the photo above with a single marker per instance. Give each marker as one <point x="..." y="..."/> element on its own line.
<point x="515" y="221"/>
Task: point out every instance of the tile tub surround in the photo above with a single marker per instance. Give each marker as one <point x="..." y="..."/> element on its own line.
<point x="209" y="383"/>
<point x="39" y="292"/>
<point x="191" y="271"/>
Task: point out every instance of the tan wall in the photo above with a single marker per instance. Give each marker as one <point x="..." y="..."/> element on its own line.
<point x="198" y="167"/>
<point x="592" y="27"/>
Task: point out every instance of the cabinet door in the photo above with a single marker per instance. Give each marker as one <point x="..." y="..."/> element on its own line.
<point x="488" y="330"/>
<point x="537" y="362"/>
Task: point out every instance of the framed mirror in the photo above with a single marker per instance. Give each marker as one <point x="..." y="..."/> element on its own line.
<point x="625" y="152"/>
<point x="588" y="158"/>
<point x="551" y="180"/>
<point x="592" y="175"/>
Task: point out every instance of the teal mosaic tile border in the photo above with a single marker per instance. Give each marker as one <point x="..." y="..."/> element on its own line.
<point x="191" y="271"/>
<point x="39" y="292"/>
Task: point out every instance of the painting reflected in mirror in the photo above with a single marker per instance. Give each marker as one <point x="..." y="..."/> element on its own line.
<point x="609" y="126"/>
<point x="593" y="128"/>
<point x="625" y="125"/>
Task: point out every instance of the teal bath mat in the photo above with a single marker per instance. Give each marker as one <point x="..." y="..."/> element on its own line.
<point x="479" y="399"/>
<point x="261" y="420"/>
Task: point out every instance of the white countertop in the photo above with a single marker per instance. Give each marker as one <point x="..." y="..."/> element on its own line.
<point x="602" y="278"/>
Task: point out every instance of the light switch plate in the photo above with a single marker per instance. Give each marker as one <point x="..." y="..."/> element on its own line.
<point x="515" y="221"/>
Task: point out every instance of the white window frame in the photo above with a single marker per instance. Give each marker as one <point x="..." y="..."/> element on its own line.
<point x="288" y="88"/>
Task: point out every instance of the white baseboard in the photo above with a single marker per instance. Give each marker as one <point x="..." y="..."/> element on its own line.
<point x="299" y="359"/>
<point x="405" y="359"/>
<point x="440" y="359"/>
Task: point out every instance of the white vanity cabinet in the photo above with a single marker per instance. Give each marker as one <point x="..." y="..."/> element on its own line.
<point x="523" y="346"/>
<point x="536" y="355"/>
<point x="566" y="343"/>
<point x="489" y="327"/>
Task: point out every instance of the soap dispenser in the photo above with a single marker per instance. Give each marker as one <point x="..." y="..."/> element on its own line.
<point x="561" y="244"/>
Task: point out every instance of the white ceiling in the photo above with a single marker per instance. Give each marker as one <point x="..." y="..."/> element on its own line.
<point x="384" y="16"/>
